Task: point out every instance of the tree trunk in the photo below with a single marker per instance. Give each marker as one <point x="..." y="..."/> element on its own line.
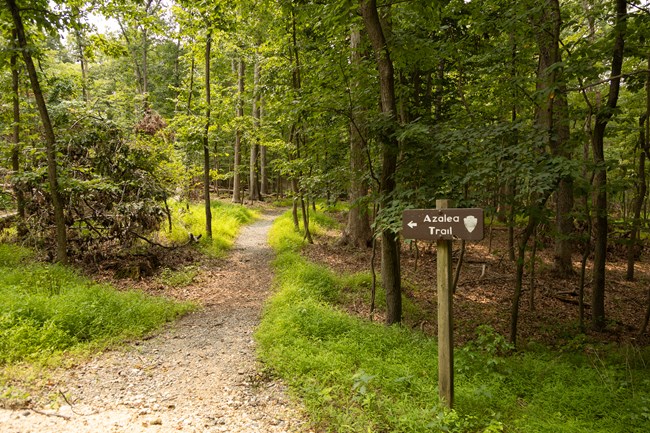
<point x="639" y="199"/>
<point x="511" y="217"/>
<point x="563" y="263"/>
<point x="534" y="213"/>
<point x="206" y="146"/>
<point x="50" y="139"/>
<point x="519" y="280"/>
<point x="131" y="49"/>
<point x="236" y="194"/>
<point x="357" y="231"/>
<point x="264" y="172"/>
<point x="294" y="208"/>
<point x="644" y="145"/>
<point x="297" y="134"/>
<point x="84" y="66"/>
<point x="305" y="219"/>
<point x="191" y="85"/>
<point x="600" y="177"/>
<point x="145" y="73"/>
<point x="390" y="265"/>
<point x="15" y="152"/>
<point x="552" y="120"/>
<point x="253" y="181"/>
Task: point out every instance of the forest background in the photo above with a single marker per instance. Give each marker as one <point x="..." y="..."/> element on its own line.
<point x="535" y="111"/>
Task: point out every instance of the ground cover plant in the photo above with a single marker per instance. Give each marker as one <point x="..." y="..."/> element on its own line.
<point x="355" y="375"/>
<point x="189" y="218"/>
<point x="53" y="315"/>
<point x="46" y="310"/>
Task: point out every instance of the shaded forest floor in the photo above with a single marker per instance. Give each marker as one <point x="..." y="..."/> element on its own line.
<point x="483" y="296"/>
<point x="485" y="289"/>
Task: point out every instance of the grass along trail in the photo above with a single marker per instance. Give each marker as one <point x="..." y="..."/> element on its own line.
<point x="198" y="375"/>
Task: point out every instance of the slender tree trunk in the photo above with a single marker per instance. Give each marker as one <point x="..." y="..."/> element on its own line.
<point x="294" y="208"/>
<point x="639" y="199"/>
<point x="145" y="61"/>
<point x="136" y="64"/>
<point x="50" y="138"/>
<point x="357" y="231"/>
<point x="644" y="145"/>
<point x="390" y="265"/>
<point x="563" y="254"/>
<point x="264" y="172"/>
<point x="511" y="189"/>
<point x="84" y="66"/>
<point x="191" y="86"/>
<point x="254" y="190"/>
<point x="206" y="145"/>
<point x="600" y="178"/>
<point x="177" y="74"/>
<point x="305" y="219"/>
<point x="533" y="222"/>
<point x="511" y="185"/>
<point x="531" y="284"/>
<point x="297" y="134"/>
<point x="15" y="152"/>
<point x="236" y="193"/>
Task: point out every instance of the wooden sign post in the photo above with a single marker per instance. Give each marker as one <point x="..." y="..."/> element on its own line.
<point x="444" y="224"/>
<point x="445" y="318"/>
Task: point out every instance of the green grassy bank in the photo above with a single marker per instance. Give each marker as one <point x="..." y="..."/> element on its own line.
<point x="227" y="218"/>
<point x="357" y="376"/>
<point x="50" y="313"/>
<point x="46" y="310"/>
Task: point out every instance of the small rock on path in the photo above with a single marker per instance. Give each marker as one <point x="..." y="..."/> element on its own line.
<point x="198" y="375"/>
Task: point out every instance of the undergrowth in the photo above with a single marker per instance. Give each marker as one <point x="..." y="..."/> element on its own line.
<point x="357" y="376"/>
<point x="227" y="218"/>
<point x="49" y="310"/>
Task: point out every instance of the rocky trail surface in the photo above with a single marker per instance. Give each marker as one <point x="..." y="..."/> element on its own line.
<point x="200" y="374"/>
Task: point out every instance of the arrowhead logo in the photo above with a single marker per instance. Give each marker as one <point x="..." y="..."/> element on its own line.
<point x="470" y="222"/>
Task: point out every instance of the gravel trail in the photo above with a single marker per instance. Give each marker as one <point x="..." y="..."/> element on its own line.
<point x="200" y="374"/>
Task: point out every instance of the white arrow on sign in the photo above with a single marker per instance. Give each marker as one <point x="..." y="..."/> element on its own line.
<point x="412" y="224"/>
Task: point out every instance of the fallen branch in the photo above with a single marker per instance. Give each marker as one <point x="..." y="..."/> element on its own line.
<point x="192" y="239"/>
<point x="58" y="415"/>
<point x="570" y="301"/>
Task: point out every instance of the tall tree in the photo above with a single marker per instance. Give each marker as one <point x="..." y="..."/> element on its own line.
<point x="48" y="130"/>
<point x="240" y="68"/>
<point x="390" y="263"/>
<point x="552" y="119"/>
<point x="15" y="151"/>
<point x="357" y="231"/>
<point x="253" y="181"/>
<point x="603" y="116"/>
<point x="206" y="132"/>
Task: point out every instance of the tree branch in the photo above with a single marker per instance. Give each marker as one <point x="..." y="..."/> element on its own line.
<point x="606" y="80"/>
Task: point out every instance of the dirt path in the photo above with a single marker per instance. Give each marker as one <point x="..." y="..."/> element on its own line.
<point x="199" y="375"/>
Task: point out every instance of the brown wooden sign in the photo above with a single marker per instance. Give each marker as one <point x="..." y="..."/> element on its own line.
<point x="435" y="224"/>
